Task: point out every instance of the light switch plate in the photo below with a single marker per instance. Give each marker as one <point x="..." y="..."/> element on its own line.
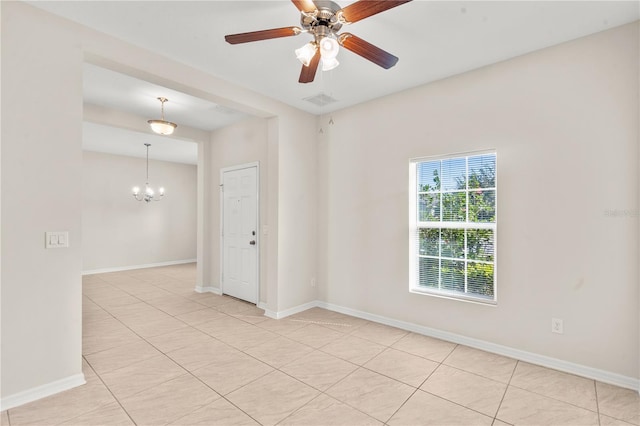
<point x="58" y="239"/>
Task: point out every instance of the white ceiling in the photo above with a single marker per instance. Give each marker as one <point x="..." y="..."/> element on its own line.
<point x="433" y="39"/>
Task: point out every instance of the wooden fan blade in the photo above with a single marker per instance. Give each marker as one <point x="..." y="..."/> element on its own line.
<point x="262" y="35"/>
<point x="304" y="5"/>
<point x="308" y="73"/>
<point x="367" y="50"/>
<point x="365" y="8"/>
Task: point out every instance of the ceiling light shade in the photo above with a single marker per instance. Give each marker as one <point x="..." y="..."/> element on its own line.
<point x="306" y="53"/>
<point x="162" y="127"/>
<point x="329" y="63"/>
<point x="149" y="194"/>
<point x="329" y="48"/>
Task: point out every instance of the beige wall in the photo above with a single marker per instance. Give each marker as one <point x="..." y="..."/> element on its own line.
<point x="564" y="123"/>
<point x="41" y="191"/>
<point x="118" y="231"/>
<point x="241" y="143"/>
<point x="42" y="59"/>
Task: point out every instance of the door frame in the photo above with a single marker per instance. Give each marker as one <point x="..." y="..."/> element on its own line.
<point x="223" y="170"/>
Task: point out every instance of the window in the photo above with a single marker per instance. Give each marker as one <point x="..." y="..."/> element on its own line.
<point x="453" y="227"/>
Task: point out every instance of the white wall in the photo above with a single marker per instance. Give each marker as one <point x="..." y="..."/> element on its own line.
<point x="41" y="191"/>
<point x="117" y="230"/>
<point x="564" y="122"/>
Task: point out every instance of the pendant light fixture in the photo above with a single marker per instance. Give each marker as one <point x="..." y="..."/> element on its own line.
<point x="149" y="194"/>
<point x="162" y="127"/>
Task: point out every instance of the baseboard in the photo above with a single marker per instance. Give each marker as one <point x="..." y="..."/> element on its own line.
<point x="533" y="358"/>
<point x="146" y="265"/>
<point x="42" y="391"/>
<point x="287" y="312"/>
<point x="208" y="289"/>
<point x="267" y="312"/>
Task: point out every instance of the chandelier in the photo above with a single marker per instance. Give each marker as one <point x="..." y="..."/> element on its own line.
<point x="149" y="194"/>
<point x="162" y="127"/>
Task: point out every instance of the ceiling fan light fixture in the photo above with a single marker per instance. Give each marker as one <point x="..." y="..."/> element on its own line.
<point x="329" y="63"/>
<point x="329" y="48"/>
<point x="162" y="127"/>
<point x="306" y="53"/>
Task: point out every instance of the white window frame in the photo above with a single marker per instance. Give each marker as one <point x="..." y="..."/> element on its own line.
<point x="415" y="226"/>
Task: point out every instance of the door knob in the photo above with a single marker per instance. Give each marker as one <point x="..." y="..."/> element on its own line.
<point x="252" y="242"/>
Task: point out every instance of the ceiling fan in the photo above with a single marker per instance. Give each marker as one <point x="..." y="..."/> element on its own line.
<point x="323" y="19"/>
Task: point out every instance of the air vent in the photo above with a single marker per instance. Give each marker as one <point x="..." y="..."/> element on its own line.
<point x="320" y="99"/>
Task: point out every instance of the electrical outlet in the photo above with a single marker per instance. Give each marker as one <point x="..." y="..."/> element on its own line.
<point x="313" y="282"/>
<point x="557" y="326"/>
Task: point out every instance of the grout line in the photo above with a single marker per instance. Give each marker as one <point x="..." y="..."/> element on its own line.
<point x="108" y="389"/>
<point x="595" y="389"/>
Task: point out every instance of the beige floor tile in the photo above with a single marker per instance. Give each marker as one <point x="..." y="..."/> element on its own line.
<point x="231" y="370"/>
<point x="111" y="414"/>
<point x="282" y="326"/>
<point x="610" y="421"/>
<point x="314" y="314"/>
<point x="179" y="339"/>
<point x="106" y="334"/>
<point x="402" y="366"/>
<point x="314" y="335"/>
<point x="252" y="316"/>
<point x="424" y="346"/>
<point x="223" y="325"/>
<point x="279" y="351"/>
<point x="121" y="356"/>
<point x="4" y="418"/>
<point x="379" y="333"/>
<point x="319" y="370"/>
<point x="154" y="326"/>
<point x="329" y="319"/>
<point x="198" y="355"/>
<point x="372" y="393"/>
<point x="141" y="376"/>
<point x="114" y="302"/>
<point x="425" y="410"/>
<point x="619" y="403"/>
<point x="169" y="401"/>
<point x="470" y="390"/>
<point x="175" y="305"/>
<point x="324" y="411"/>
<point x="235" y="307"/>
<point x="211" y="300"/>
<point x="522" y="407"/>
<point x="94" y="315"/>
<point x="134" y="312"/>
<point x="485" y="364"/>
<point x="63" y="406"/>
<point x="555" y="384"/>
<point x="220" y="412"/>
<point x="247" y="337"/>
<point x="497" y="422"/>
<point x="200" y="316"/>
<point x="271" y="398"/>
<point x="353" y="349"/>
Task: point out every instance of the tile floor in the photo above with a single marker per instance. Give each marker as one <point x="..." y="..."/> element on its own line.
<point x="156" y="352"/>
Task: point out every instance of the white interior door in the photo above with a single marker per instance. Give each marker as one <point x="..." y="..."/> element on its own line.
<point x="240" y="233"/>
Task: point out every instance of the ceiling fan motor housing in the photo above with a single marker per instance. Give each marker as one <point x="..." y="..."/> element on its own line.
<point x="325" y="20"/>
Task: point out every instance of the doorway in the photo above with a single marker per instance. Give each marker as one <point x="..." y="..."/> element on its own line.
<point x="239" y="231"/>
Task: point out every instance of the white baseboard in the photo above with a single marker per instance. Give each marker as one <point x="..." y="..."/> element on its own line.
<point x="267" y="312"/>
<point x="208" y="289"/>
<point x="146" y="265"/>
<point x="288" y="312"/>
<point x="42" y="391"/>
<point x="533" y="358"/>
